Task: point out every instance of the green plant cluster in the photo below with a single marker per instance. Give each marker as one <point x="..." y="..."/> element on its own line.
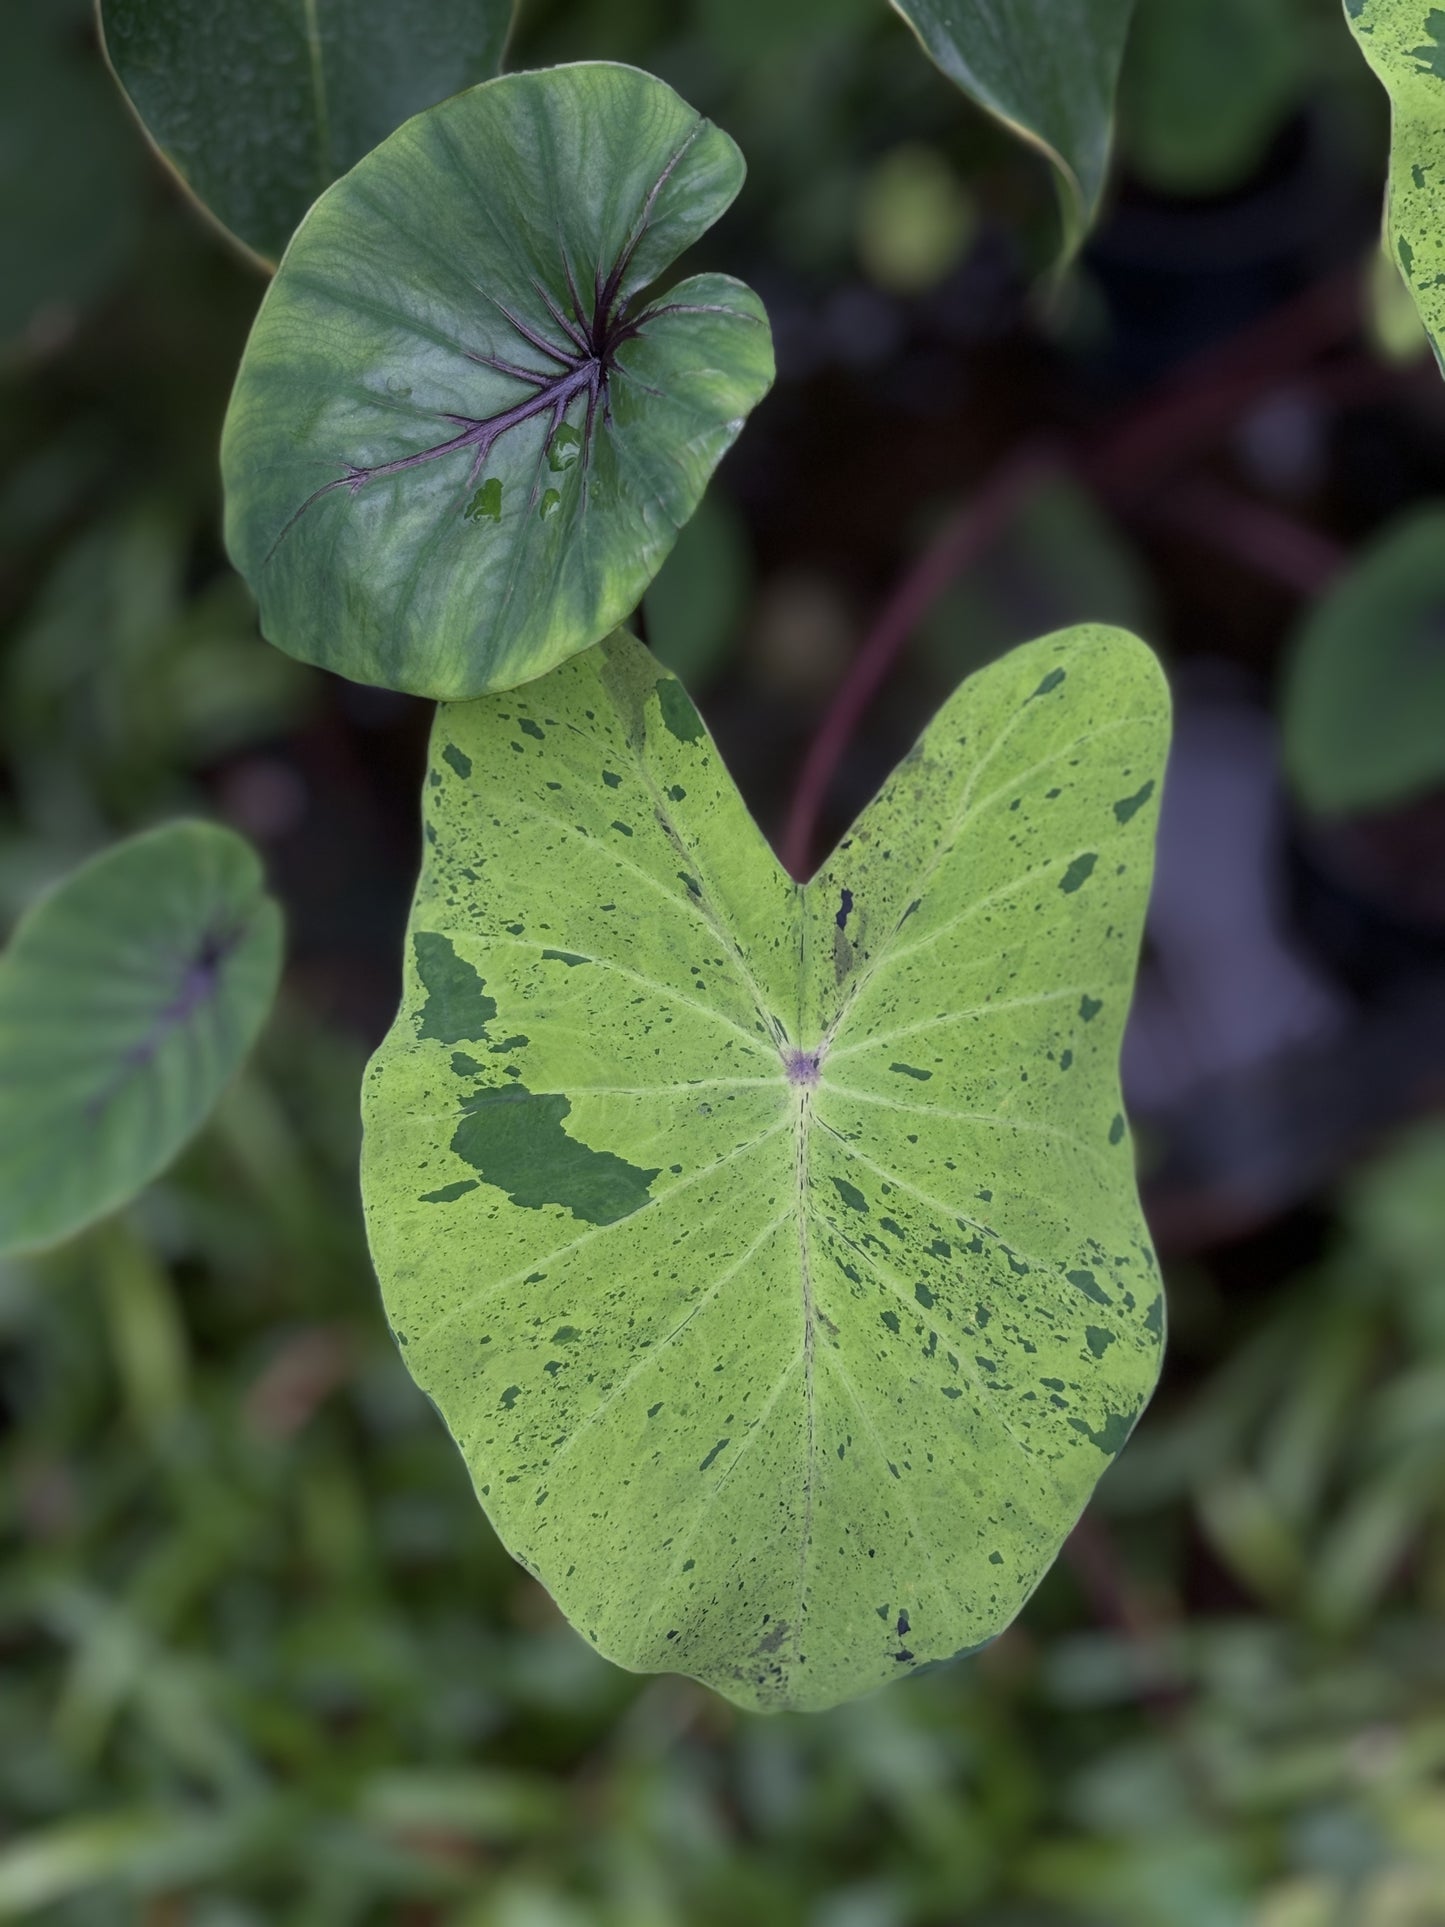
<point x="261" y="1642"/>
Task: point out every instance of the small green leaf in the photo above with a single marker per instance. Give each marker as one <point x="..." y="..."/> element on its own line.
<point x="465" y="435"/>
<point x="260" y="107"/>
<point x="773" y="1252"/>
<point x="1047" y="71"/>
<point x="1364" y="707"/>
<point x="1404" y="42"/>
<point x="127" y="999"/>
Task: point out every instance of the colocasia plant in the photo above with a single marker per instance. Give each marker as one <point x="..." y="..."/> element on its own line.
<point x="770" y="1247"/>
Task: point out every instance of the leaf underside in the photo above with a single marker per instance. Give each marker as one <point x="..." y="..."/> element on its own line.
<point x="466" y="430"/>
<point x="773" y="1252"/>
<point x="1049" y="69"/>
<point x="1404" y="42"/>
<point x="127" y="1000"/>
<point x="258" y="108"/>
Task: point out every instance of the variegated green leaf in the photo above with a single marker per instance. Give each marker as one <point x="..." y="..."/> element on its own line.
<point x="773" y="1252"/>
<point x="1404" y="42"/>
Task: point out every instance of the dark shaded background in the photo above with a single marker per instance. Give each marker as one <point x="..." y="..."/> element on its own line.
<point x="261" y="1659"/>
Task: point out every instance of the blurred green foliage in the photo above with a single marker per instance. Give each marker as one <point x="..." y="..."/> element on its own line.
<point x="264" y="1661"/>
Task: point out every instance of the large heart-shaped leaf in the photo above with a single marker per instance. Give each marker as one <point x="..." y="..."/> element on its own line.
<point x="1404" y="41"/>
<point x="258" y="107"/>
<point x="127" y="999"/>
<point x="464" y="437"/>
<point x="773" y="1252"/>
<point x="1048" y="69"/>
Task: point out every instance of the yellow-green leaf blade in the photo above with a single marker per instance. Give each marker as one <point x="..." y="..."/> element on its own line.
<point x="773" y="1253"/>
<point x="1404" y="42"/>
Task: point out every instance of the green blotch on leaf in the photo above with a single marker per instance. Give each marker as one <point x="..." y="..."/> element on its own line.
<point x="1154" y="1318"/>
<point x="890" y="1319"/>
<point x="1089" y="1285"/>
<point x="924" y="1296"/>
<point x="1112" y="1436"/>
<point x="1078" y="872"/>
<point x="678" y="712"/>
<point x="907" y="1070"/>
<point x="611" y="779"/>
<point x="514" y="1138"/>
<point x="1130" y="806"/>
<point x="1089" y="1007"/>
<point x="460" y="763"/>
<point x="1431" y="60"/>
<point x="1097" y="1339"/>
<point x="1117" y="1129"/>
<point x="449" y="1192"/>
<point x="529" y="728"/>
<point x="721" y="1446"/>
<point x="568" y="957"/>
<point x="1049" y="683"/>
<point x="457" y="1008"/>
<point x="464" y="1066"/>
<point x="850" y="1194"/>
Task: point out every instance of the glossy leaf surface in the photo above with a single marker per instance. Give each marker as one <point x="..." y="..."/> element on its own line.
<point x="1364" y="711"/>
<point x="127" y="999"/>
<point x="463" y="437"/>
<point x="1046" y="68"/>
<point x="1404" y="42"/>
<point x="773" y="1252"/>
<point x="260" y="107"/>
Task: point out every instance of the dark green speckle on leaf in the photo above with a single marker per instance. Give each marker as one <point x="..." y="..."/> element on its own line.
<point x="514" y="1138"/>
<point x="457" y="1009"/>
<point x="678" y="711"/>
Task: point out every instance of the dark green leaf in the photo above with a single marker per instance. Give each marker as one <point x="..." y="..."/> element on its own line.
<point x="258" y="107"/>
<point x="465" y="434"/>
<point x="1048" y="69"/>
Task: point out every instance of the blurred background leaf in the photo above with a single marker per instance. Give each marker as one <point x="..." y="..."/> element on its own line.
<point x="1365" y="701"/>
<point x="260" y="108"/>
